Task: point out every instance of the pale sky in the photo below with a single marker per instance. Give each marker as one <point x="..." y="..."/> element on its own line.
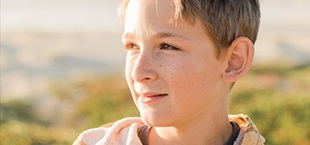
<point x="59" y="15"/>
<point x="100" y="15"/>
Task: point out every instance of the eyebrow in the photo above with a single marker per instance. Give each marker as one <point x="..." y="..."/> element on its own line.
<point x="157" y="35"/>
<point x="167" y="34"/>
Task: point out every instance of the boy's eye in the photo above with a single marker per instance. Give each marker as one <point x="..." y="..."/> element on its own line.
<point x="131" y="47"/>
<point x="168" y="47"/>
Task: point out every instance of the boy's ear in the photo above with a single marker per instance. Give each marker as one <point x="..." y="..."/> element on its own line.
<point x="239" y="56"/>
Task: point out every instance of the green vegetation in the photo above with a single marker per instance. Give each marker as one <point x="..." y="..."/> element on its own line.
<point x="276" y="98"/>
<point x="278" y="101"/>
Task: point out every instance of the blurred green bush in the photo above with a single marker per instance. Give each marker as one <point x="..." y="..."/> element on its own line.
<point x="276" y="98"/>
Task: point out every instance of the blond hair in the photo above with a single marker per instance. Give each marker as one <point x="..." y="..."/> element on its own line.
<point x="223" y="20"/>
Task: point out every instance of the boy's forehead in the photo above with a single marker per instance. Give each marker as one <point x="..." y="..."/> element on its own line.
<point x="152" y="18"/>
<point x="149" y="11"/>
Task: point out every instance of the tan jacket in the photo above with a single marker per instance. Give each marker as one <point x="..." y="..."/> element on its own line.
<point x="124" y="132"/>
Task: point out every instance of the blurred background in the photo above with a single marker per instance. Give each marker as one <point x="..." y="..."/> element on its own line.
<point x="62" y="72"/>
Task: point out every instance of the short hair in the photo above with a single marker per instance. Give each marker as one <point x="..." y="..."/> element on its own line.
<point x="223" y="20"/>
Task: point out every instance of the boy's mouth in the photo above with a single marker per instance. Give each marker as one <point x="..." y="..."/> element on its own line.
<point x="150" y="97"/>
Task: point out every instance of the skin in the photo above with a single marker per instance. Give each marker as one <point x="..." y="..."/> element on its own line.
<point x="177" y="81"/>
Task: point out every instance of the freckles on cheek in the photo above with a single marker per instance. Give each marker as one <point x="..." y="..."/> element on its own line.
<point x="176" y="73"/>
<point x="173" y="69"/>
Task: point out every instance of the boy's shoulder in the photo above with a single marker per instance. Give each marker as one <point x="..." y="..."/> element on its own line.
<point x="118" y="132"/>
<point x="125" y="131"/>
<point x="249" y="134"/>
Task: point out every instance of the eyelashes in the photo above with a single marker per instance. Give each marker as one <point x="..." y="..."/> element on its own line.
<point x="131" y="46"/>
<point x="165" y="46"/>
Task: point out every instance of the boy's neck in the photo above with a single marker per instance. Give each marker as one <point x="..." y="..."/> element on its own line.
<point x="213" y="129"/>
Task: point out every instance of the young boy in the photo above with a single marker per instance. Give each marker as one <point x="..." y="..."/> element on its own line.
<point x="183" y="57"/>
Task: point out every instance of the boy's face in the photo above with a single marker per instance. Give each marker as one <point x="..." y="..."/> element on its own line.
<point x="171" y="68"/>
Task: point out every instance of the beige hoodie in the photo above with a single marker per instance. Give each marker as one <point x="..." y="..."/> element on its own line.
<point x="124" y="132"/>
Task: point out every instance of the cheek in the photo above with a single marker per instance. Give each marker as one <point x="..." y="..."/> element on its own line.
<point x="178" y="74"/>
<point x="129" y="64"/>
<point x="128" y="71"/>
<point x="192" y="76"/>
<point x="130" y="82"/>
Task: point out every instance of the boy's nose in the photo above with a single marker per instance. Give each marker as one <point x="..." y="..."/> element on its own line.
<point x="143" y="68"/>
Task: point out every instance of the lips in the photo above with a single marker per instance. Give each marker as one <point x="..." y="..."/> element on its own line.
<point x="150" y="97"/>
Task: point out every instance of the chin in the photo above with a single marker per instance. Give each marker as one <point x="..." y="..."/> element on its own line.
<point x="155" y="119"/>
